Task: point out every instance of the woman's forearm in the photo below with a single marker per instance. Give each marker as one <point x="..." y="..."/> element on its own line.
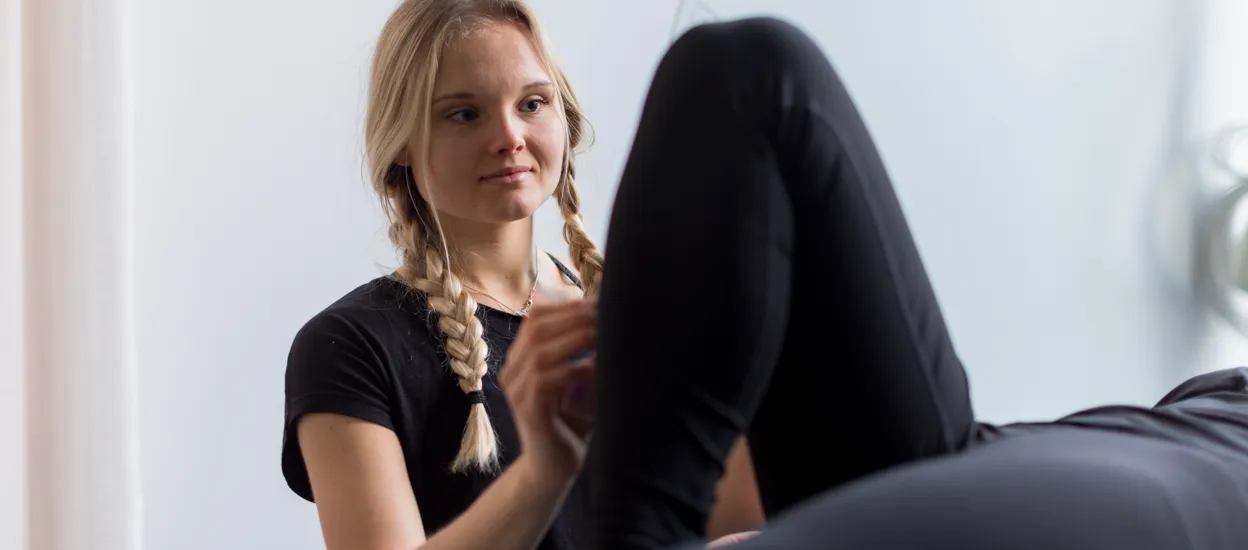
<point x="513" y="513"/>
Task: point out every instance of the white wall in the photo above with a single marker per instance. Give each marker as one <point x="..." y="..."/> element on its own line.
<point x="1035" y="146"/>
<point x="12" y="376"/>
<point x="251" y="214"/>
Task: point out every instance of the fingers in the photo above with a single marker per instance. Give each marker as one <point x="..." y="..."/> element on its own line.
<point x="555" y="385"/>
<point x="558" y="351"/>
<point x="577" y="405"/>
<point x="550" y="320"/>
<point x="545" y="366"/>
<point x="549" y="336"/>
<point x="542" y="395"/>
<point x="549" y="383"/>
<point x="555" y="353"/>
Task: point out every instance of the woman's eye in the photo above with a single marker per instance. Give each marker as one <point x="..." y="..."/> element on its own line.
<point x="464" y="115"/>
<point x="534" y="105"/>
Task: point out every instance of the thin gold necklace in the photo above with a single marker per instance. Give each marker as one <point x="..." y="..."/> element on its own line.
<point x="524" y="311"/>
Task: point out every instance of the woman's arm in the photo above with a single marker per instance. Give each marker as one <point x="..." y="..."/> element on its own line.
<point x="365" y="501"/>
<point x="738" y="507"/>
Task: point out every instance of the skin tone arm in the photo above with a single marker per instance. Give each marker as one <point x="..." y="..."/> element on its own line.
<point x="365" y="501"/>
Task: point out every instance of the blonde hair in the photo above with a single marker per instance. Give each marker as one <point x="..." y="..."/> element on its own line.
<point x="405" y="66"/>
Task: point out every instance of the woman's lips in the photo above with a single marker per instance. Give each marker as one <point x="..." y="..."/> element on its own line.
<point x="509" y="175"/>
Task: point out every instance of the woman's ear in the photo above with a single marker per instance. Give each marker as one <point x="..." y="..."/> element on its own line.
<point x="402" y="159"/>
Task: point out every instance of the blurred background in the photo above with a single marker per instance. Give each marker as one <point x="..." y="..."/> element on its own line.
<point x="182" y="186"/>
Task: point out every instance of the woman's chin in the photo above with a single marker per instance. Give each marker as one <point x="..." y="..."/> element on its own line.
<point x="502" y="209"/>
<point x="514" y="212"/>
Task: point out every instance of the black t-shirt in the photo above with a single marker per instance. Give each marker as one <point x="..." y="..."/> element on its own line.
<point x="376" y="354"/>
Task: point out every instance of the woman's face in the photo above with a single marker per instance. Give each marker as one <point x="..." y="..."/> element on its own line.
<point x="497" y="140"/>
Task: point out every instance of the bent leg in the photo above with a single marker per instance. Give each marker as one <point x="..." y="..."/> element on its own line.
<point x="760" y="276"/>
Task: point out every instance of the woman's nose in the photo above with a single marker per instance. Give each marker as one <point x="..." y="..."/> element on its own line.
<point x="509" y="137"/>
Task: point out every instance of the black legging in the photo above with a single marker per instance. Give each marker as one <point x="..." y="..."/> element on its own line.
<point x="761" y="278"/>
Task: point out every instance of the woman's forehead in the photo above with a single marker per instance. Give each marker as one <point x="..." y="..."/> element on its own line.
<point x="498" y="57"/>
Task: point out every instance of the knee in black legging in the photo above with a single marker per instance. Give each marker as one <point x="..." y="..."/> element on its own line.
<point x="750" y="44"/>
<point x="753" y="49"/>
<point x="762" y="68"/>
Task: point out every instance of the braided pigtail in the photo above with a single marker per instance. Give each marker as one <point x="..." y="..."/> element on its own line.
<point x="424" y="268"/>
<point x="465" y="346"/>
<point x="581" y="249"/>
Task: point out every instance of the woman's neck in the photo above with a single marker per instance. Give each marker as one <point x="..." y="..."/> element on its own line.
<point x="497" y="259"/>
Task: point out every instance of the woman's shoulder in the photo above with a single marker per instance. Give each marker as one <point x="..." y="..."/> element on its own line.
<point x="381" y="296"/>
<point x="379" y="307"/>
<point x="376" y="323"/>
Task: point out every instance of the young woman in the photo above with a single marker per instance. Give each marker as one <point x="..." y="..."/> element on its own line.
<point x="792" y="305"/>
<point x="435" y="407"/>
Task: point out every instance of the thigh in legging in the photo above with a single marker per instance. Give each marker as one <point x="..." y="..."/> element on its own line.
<point x="868" y="376"/>
<point x="759" y="276"/>
<point x="1066" y="488"/>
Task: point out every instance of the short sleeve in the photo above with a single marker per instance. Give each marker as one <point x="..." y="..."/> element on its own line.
<point x="335" y="365"/>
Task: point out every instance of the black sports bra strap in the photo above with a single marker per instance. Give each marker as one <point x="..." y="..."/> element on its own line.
<point x="566" y="271"/>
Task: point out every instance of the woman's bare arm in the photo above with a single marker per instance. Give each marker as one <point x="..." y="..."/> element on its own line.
<point x="365" y="501"/>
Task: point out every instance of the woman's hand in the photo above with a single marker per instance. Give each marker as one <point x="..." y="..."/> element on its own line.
<point x="538" y="375"/>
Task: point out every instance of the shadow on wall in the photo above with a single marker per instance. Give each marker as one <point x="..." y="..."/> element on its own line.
<point x="1195" y="216"/>
<point x="1222" y="241"/>
<point x="1176" y="204"/>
